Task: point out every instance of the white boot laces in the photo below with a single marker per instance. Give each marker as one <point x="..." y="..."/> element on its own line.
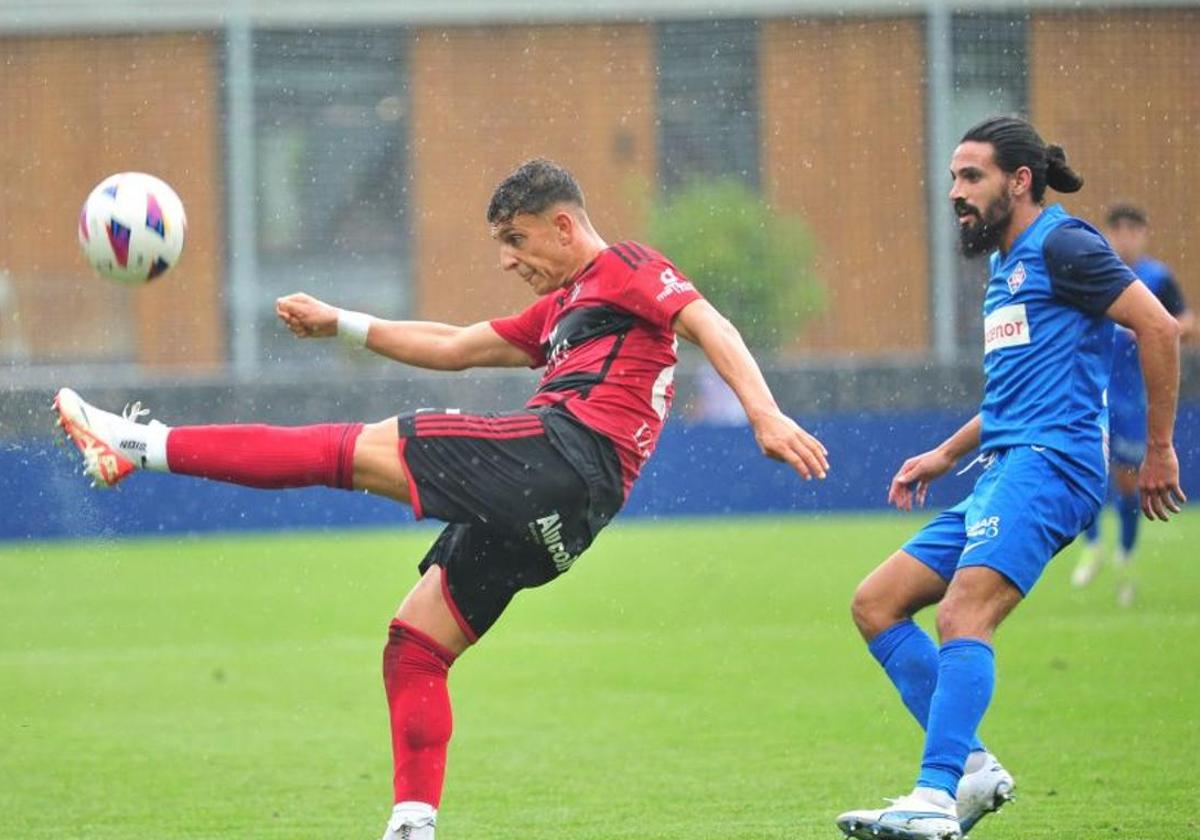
<point x="133" y="411"/>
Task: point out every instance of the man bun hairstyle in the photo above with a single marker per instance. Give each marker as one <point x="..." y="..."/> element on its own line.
<point x="1127" y="213"/>
<point x="1059" y="176"/>
<point x="1017" y="144"/>
<point x="532" y="187"/>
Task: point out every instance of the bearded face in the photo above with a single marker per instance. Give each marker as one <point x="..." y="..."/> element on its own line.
<point x="981" y="231"/>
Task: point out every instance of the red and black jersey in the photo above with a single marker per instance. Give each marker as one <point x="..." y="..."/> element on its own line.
<point x="606" y="341"/>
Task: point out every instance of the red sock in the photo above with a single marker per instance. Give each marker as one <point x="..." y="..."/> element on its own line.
<point x="414" y="676"/>
<point x="269" y="457"/>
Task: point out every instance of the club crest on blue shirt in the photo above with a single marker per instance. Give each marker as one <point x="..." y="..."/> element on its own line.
<point x="1016" y="278"/>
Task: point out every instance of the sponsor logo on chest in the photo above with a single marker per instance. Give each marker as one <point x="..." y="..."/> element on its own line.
<point x="1005" y="327"/>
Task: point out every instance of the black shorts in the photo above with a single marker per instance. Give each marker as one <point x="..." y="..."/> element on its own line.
<point x="525" y="493"/>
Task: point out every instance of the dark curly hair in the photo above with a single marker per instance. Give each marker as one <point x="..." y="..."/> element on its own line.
<point x="531" y="188"/>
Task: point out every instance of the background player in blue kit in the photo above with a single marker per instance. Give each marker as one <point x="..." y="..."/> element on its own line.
<point x="1055" y="289"/>
<point x="1128" y="231"/>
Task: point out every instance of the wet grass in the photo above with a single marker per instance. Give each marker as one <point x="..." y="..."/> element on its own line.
<point x="690" y="679"/>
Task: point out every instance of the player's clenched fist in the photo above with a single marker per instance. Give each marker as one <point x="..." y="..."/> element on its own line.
<point x="306" y="316"/>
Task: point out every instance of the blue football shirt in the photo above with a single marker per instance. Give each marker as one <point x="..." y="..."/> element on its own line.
<point x="1048" y="347"/>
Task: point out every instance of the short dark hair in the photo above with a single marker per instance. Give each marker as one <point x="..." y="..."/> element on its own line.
<point x="1017" y="144"/>
<point x="1119" y="213"/>
<point x="532" y="187"/>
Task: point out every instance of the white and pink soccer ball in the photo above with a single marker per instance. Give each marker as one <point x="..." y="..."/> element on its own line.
<point x="131" y="227"/>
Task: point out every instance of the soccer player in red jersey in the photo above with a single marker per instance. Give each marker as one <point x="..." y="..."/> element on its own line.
<point x="524" y="492"/>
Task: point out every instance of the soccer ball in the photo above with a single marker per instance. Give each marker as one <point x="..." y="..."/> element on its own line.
<point x="131" y="227"/>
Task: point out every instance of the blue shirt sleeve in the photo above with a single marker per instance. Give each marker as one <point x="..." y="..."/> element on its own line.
<point x="1084" y="270"/>
<point x="1170" y="297"/>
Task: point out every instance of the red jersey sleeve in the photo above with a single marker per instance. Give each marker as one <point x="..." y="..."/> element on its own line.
<point x="656" y="291"/>
<point x="525" y="329"/>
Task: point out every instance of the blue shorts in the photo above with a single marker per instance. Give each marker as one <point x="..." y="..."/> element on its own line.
<point x="1022" y="512"/>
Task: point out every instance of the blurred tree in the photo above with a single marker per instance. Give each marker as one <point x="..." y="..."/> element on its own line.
<point x="752" y="262"/>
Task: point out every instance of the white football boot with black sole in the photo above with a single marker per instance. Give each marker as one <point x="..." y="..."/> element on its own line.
<point x="908" y="818"/>
<point x="982" y="792"/>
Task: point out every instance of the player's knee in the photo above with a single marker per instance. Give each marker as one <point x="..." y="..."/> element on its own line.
<point x="976" y="602"/>
<point x="383" y="434"/>
<point x="958" y="618"/>
<point x="860" y="610"/>
<point x="376" y="460"/>
<point x="872" y="614"/>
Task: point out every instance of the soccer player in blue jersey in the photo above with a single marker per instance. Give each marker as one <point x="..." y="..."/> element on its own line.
<point x="1128" y="232"/>
<point x="1055" y="289"/>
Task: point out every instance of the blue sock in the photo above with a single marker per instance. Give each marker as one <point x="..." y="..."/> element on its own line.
<point x="1129" y="508"/>
<point x="910" y="659"/>
<point x="1092" y="532"/>
<point x="966" y="677"/>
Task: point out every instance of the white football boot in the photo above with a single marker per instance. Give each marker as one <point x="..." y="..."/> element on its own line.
<point x="910" y="817"/>
<point x="112" y="445"/>
<point x="983" y="791"/>
<point x="411" y="821"/>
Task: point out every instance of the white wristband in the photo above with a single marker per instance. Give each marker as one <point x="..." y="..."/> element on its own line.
<point x="352" y="327"/>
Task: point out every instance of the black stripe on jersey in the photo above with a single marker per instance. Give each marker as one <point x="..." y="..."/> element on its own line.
<point x="616" y="249"/>
<point x="612" y="355"/>
<point x="639" y="250"/>
<point x="580" y="326"/>
<point x="583" y="382"/>
<point x="632" y="258"/>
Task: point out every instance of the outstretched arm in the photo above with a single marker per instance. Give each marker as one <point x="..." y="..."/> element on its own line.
<point x="1158" y="349"/>
<point x="911" y="481"/>
<point x="425" y="344"/>
<point x="778" y="435"/>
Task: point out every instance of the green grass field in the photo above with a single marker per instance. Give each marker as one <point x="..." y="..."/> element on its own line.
<point x="696" y="679"/>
